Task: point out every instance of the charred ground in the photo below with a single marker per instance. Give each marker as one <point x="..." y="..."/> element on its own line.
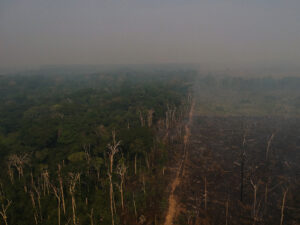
<point x="212" y="181"/>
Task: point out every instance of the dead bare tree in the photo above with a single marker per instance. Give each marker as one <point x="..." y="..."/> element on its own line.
<point x="4" y="210"/>
<point x="282" y="206"/>
<point x="113" y="149"/>
<point x="144" y="183"/>
<point x="150" y="117"/>
<point x="266" y="195"/>
<point x="142" y="118"/>
<point x="121" y="170"/>
<point x="147" y="160"/>
<point x="269" y="145"/>
<point x="226" y="211"/>
<point x="74" y="178"/>
<point x="111" y="197"/>
<point x="205" y="194"/>
<point x="46" y="182"/>
<point x="243" y="157"/>
<point x="61" y="188"/>
<point x="10" y="171"/>
<point x="135" y="159"/>
<point x="35" y="214"/>
<point x="38" y="194"/>
<point x="255" y="187"/>
<point x="168" y="118"/>
<point x="58" y="197"/>
<point x="87" y="151"/>
<point x="19" y="161"/>
<point x="134" y="205"/>
<point x="91" y="215"/>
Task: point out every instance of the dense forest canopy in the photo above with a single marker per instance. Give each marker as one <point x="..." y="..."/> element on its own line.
<point x="59" y="132"/>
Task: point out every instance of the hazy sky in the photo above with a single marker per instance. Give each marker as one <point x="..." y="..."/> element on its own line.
<point x="37" y="32"/>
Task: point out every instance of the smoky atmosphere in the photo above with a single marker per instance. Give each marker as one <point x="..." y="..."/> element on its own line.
<point x="135" y="112"/>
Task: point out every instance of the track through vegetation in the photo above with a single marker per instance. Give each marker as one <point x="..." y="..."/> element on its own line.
<point x="173" y="202"/>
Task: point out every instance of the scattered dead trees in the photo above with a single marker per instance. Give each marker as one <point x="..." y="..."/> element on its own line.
<point x="17" y="161"/>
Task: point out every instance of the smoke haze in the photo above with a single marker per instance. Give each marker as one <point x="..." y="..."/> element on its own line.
<point x="223" y="32"/>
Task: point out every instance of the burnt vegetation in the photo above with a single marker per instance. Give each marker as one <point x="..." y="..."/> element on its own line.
<point x="243" y="165"/>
